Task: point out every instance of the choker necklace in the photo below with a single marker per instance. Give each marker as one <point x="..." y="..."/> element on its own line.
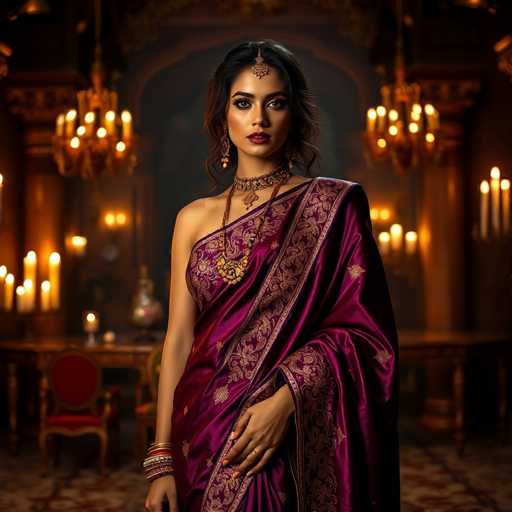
<point x="279" y="175"/>
<point x="232" y="271"/>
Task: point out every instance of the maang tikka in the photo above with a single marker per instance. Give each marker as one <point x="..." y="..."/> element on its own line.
<point x="261" y="68"/>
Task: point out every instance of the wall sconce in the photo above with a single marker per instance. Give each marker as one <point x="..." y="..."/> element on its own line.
<point x="76" y="245"/>
<point x="115" y="220"/>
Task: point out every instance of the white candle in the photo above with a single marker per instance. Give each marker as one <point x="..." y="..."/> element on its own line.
<point x="411" y="239"/>
<point x="396" y="232"/>
<point x="91" y="321"/>
<point x="59" y="129"/>
<point x="29" y="266"/>
<point x="9" y="292"/>
<point x="126" y="118"/>
<point x="371" y="116"/>
<point x="89" y="123"/>
<point x="54" y="273"/>
<point x="495" y="199"/>
<point x="29" y="296"/>
<point x="381" y="118"/>
<point x="505" y="204"/>
<point x="1" y="193"/>
<point x="110" y="122"/>
<point x="484" y="209"/>
<point x="45" y="296"/>
<point x="3" y="273"/>
<point x="384" y="239"/>
<point x="20" y="299"/>
<point x="70" y="123"/>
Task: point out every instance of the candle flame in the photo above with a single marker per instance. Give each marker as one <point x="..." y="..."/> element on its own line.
<point x="495" y="173"/>
<point x="384" y="236"/>
<point x="484" y="187"/>
<point x="54" y="258"/>
<point x="505" y="184"/>
<point x="45" y="286"/>
<point x="3" y="271"/>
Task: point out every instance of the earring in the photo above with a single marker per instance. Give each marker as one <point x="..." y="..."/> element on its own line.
<point x="225" y="149"/>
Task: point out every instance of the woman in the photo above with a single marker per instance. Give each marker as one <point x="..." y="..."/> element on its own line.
<point x="279" y="374"/>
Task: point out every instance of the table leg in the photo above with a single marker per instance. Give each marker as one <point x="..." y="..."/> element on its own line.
<point x="458" y="399"/>
<point x="502" y="398"/>
<point x="13" y="406"/>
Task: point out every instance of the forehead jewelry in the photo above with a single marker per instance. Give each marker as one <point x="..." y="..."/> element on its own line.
<point x="261" y="68"/>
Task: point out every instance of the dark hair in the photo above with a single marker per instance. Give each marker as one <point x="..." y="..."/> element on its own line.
<point x="304" y="117"/>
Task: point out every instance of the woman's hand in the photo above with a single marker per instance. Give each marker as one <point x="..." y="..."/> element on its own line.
<point x="165" y="485"/>
<point x="260" y="430"/>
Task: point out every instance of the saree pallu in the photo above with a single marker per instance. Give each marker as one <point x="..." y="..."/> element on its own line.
<point x="312" y="312"/>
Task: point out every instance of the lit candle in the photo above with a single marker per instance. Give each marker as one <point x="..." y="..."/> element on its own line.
<point x="396" y="237"/>
<point x="1" y="193"/>
<point x="429" y="111"/>
<point x="29" y="295"/>
<point x="371" y="116"/>
<point x="59" y="128"/>
<point x="126" y="119"/>
<point x="9" y="292"/>
<point x="410" y="242"/>
<point x="381" y="117"/>
<point x="91" y="325"/>
<point x="384" y="239"/>
<point x="110" y="120"/>
<point x="484" y="209"/>
<point x="29" y="266"/>
<point x="3" y="273"/>
<point x="45" y="296"/>
<point x="495" y="199"/>
<point x="20" y="299"/>
<point x="89" y="123"/>
<point x="505" y="204"/>
<point x="54" y="273"/>
<point x="70" y="123"/>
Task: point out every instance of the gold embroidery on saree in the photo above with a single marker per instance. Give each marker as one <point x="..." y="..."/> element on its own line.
<point x="355" y="271"/>
<point x="382" y="356"/>
<point x="201" y="273"/>
<point x="281" y="288"/>
<point x="312" y="381"/>
<point x="221" y="395"/>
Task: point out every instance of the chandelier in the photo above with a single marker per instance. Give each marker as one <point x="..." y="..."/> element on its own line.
<point x="401" y="129"/>
<point x="95" y="139"/>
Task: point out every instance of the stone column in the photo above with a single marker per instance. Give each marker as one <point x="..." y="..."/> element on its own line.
<point x="442" y="233"/>
<point x="36" y="99"/>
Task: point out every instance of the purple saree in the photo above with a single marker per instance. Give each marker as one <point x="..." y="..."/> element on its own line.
<point x="313" y="312"/>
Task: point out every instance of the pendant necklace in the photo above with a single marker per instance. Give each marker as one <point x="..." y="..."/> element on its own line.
<point x="230" y="270"/>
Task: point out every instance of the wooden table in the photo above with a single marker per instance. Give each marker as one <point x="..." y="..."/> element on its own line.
<point x="36" y="352"/>
<point x="457" y="348"/>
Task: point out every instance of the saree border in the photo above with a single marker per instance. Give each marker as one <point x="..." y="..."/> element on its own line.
<point x="223" y="475"/>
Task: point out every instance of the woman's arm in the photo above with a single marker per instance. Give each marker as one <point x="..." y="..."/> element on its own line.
<point x="182" y="311"/>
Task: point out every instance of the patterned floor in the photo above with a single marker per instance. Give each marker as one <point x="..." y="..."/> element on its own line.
<point x="434" y="479"/>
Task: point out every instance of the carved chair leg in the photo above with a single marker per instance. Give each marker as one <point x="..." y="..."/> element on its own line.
<point x="43" y="446"/>
<point x="103" y="452"/>
<point x="142" y="433"/>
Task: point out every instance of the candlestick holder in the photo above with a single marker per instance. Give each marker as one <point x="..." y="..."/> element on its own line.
<point x="91" y="322"/>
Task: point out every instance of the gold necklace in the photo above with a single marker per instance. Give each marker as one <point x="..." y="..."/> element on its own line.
<point x="230" y="270"/>
<point x="278" y="175"/>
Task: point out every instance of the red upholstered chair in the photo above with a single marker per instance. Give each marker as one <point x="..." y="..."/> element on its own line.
<point x="73" y="402"/>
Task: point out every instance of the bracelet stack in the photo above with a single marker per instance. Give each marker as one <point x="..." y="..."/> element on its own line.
<point x="159" y="461"/>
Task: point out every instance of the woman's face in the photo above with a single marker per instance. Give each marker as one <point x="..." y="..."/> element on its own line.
<point x="258" y="106"/>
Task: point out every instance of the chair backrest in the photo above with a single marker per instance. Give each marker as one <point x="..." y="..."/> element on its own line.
<point x="74" y="378"/>
<point x="153" y="369"/>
